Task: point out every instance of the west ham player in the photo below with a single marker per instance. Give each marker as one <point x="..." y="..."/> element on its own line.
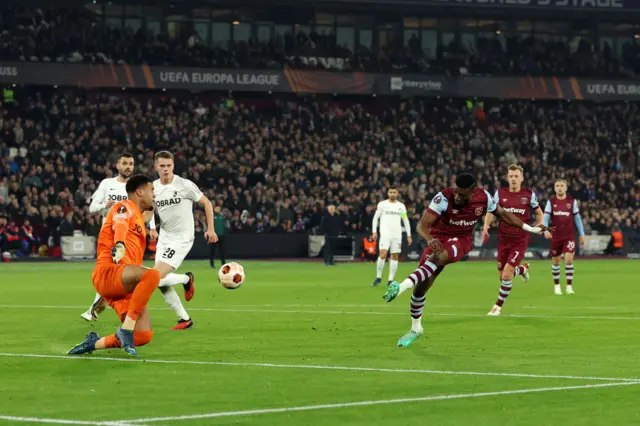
<point x="512" y="242"/>
<point x="174" y="203"/>
<point x="389" y="213"/>
<point x="562" y="211"/>
<point x="448" y="225"/>
<point x="109" y="192"/>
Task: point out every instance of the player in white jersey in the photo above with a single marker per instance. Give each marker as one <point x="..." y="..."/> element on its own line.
<point x="390" y="213"/>
<point x="109" y="192"/>
<point x="174" y="198"/>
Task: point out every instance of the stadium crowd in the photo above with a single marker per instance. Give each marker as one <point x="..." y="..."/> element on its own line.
<point x="274" y="164"/>
<point x="63" y="35"/>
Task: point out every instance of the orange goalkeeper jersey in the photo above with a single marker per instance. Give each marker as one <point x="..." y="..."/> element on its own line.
<point x="125" y="223"/>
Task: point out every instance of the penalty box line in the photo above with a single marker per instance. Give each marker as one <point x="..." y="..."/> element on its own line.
<point x="46" y="420"/>
<point x="318" y="367"/>
<point x="342" y="312"/>
<point x="369" y="403"/>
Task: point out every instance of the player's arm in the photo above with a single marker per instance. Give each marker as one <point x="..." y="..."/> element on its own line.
<point x="577" y="220"/>
<point x="488" y="220"/>
<point x="150" y="219"/>
<point x="546" y="220"/>
<point x="121" y="220"/>
<point x="513" y="220"/>
<point x="210" y="235"/>
<point x="407" y="225"/>
<point x="376" y="221"/>
<point x="438" y="206"/>
<point x="535" y="205"/>
<point x="99" y="201"/>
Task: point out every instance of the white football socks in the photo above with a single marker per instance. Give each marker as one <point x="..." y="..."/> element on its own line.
<point x="95" y="300"/>
<point x="405" y="285"/>
<point x="174" y="302"/>
<point x="379" y="267"/>
<point x="173" y="279"/>
<point x="393" y="268"/>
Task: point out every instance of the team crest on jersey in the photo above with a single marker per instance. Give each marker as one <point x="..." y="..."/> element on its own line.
<point x="438" y="199"/>
<point x="524" y="200"/>
<point x="122" y="210"/>
<point x="568" y="205"/>
<point x="479" y="211"/>
<point x="175" y="194"/>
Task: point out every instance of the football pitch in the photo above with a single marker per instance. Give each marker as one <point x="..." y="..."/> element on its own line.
<point x="303" y="344"/>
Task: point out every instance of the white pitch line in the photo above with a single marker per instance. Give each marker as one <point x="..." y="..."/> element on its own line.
<point x="317" y="367"/>
<point x="370" y="403"/>
<point x="341" y="312"/>
<point x="65" y="421"/>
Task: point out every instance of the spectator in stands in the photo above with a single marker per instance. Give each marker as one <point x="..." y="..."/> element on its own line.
<point x="67" y="225"/>
<point x="30" y="242"/>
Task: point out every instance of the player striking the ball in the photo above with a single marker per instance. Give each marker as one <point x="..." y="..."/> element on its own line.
<point x="174" y="203"/>
<point x="109" y="192"/>
<point x="512" y="242"/>
<point x="448" y="226"/>
<point x="389" y="213"/>
<point x="119" y="276"/>
<point x="562" y="211"/>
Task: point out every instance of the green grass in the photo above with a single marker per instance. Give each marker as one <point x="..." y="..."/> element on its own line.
<point x="292" y="314"/>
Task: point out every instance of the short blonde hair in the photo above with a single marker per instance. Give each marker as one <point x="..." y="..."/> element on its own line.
<point x="163" y="154"/>
<point x="561" y="180"/>
<point x="516" y="167"/>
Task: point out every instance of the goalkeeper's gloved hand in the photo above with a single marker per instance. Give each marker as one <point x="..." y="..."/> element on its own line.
<point x="118" y="251"/>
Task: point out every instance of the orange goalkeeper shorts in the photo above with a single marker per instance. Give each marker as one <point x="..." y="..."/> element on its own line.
<point x="107" y="280"/>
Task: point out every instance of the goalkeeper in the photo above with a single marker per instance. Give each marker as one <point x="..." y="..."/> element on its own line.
<point x="119" y="276"/>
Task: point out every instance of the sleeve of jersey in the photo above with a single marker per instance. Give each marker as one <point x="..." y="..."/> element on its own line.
<point x="121" y="219"/>
<point x="575" y="210"/>
<point x="547" y="213"/>
<point x="496" y="198"/>
<point x="534" y="201"/>
<point x="577" y="220"/>
<point x="376" y="219"/>
<point x="405" y="220"/>
<point x="194" y="192"/>
<point x="492" y="204"/>
<point x="97" y="204"/>
<point x="438" y="205"/>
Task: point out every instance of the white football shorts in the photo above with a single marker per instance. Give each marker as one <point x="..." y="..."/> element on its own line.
<point x="392" y="245"/>
<point x="172" y="253"/>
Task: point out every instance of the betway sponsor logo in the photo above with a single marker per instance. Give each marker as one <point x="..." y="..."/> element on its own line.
<point x="462" y="222"/>
<point x="561" y="213"/>
<point x="517" y="211"/>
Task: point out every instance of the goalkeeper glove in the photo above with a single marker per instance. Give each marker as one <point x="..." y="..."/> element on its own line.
<point x="118" y="251"/>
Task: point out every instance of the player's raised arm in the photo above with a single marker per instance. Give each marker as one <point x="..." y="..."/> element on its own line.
<point x="99" y="200"/>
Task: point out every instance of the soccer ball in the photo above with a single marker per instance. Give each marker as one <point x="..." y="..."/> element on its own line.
<point x="231" y="275"/>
